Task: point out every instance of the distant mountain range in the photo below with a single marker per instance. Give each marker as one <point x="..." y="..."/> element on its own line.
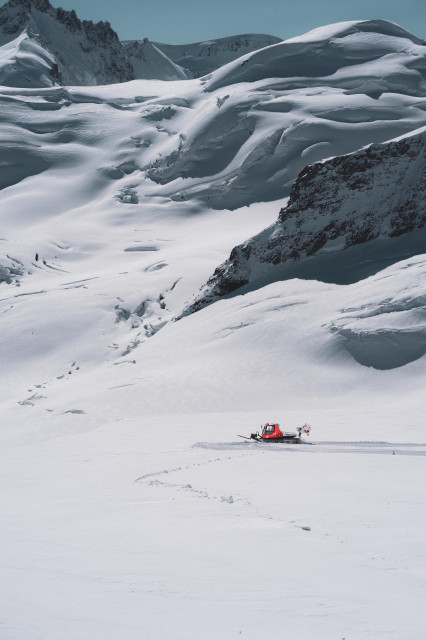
<point x="43" y="46"/>
<point x="202" y="58"/>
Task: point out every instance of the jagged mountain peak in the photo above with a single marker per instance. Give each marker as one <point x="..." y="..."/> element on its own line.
<point x="40" y="5"/>
<point x="67" y="50"/>
<point x="18" y="13"/>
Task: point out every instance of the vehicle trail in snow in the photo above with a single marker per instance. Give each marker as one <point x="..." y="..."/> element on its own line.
<point x="364" y="447"/>
<point x="203" y="493"/>
<point x="189" y="466"/>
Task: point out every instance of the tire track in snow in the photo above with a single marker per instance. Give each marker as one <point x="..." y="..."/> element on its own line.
<point x="329" y="447"/>
<point x="151" y="479"/>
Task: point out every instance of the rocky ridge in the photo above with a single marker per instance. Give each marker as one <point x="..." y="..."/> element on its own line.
<point x="82" y="52"/>
<point x="335" y="205"/>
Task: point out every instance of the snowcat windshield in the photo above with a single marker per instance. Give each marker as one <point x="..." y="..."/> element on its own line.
<point x="268" y="428"/>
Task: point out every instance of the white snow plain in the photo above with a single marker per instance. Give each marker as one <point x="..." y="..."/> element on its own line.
<point x="129" y="506"/>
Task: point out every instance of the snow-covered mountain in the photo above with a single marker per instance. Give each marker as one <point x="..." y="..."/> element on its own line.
<point x="202" y="58"/>
<point x="80" y="52"/>
<point x="125" y="489"/>
<point x="366" y="56"/>
<point x="270" y="113"/>
<point x="43" y="46"/>
<point x="368" y="198"/>
<point x="150" y="62"/>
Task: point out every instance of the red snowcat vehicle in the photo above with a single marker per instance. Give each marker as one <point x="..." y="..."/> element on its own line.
<point x="271" y="432"/>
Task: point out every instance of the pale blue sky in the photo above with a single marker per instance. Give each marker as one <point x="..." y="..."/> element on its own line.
<point x="184" y="21"/>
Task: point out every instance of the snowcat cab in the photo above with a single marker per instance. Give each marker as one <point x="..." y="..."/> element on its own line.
<point x="271" y="431"/>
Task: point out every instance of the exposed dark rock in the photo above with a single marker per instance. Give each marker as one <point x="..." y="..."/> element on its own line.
<point x="379" y="191"/>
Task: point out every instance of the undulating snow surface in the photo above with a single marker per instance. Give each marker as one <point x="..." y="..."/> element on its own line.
<point x="129" y="506"/>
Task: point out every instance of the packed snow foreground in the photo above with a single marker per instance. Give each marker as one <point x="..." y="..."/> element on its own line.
<point x="182" y="261"/>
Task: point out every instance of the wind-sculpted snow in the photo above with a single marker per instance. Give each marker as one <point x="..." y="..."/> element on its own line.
<point x="228" y="143"/>
<point x="344" y="55"/>
<point x="376" y="193"/>
<point x="24" y="61"/>
<point x="82" y="52"/>
<point x="264" y="117"/>
<point x="384" y="335"/>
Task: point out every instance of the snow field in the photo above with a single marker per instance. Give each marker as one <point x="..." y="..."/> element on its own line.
<point x="139" y="535"/>
<point x="129" y="506"/>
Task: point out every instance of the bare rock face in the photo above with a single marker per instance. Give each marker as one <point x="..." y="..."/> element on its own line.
<point x="378" y="192"/>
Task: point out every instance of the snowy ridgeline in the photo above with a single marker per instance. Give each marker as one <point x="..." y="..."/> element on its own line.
<point x="43" y="46"/>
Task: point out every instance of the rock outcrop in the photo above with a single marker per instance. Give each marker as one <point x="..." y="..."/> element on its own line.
<point x="378" y="192"/>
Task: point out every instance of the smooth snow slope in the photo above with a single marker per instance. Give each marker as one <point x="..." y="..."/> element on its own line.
<point x="201" y="58"/>
<point x="150" y="62"/>
<point x="129" y="507"/>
